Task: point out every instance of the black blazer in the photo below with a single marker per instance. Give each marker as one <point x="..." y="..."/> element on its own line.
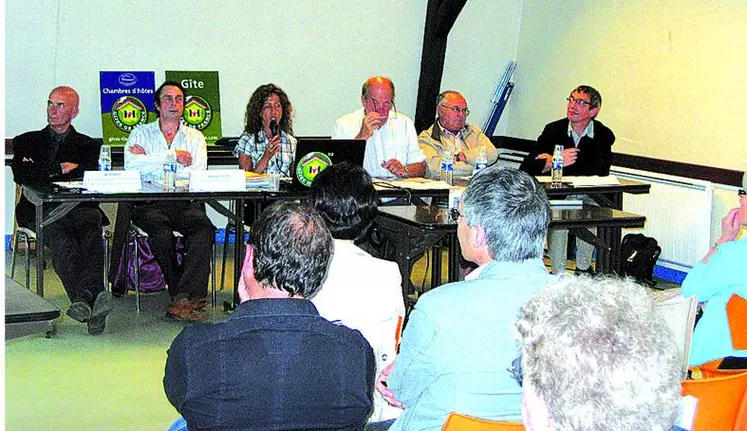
<point x="594" y="156"/>
<point x="32" y="165"/>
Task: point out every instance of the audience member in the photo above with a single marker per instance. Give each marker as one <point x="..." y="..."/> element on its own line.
<point x="587" y="151"/>
<point x="360" y="291"/>
<point x="146" y="151"/>
<point x="451" y="131"/>
<point x="714" y="280"/>
<point x="59" y="153"/>
<point x="275" y="363"/>
<point x="595" y="355"/>
<point x="267" y="144"/>
<point x="391" y="142"/>
<point x="458" y="344"/>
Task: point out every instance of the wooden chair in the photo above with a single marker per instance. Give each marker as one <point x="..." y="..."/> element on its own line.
<point x="719" y="401"/>
<point x="460" y="422"/>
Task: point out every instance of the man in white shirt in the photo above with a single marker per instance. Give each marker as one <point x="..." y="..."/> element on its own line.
<point x="146" y="151"/>
<point x="391" y="141"/>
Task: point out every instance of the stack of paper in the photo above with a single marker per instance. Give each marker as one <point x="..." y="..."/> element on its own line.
<point x="257" y="181"/>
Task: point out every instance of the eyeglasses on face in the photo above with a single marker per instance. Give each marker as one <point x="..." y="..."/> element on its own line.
<point x="572" y="100"/>
<point x="386" y="105"/>
<point x="741" y="192"/>
<point x="457" y="110"/>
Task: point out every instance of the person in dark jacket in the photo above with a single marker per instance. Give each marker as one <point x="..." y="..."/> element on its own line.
<point x="59" y="153"/>
<point x="587" y="151"/>
<point x="275" y="363"/>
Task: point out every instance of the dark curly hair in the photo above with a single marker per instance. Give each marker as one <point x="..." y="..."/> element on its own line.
<point x="253" y="115"/>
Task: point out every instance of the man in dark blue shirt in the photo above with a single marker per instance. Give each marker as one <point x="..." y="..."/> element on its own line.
<point x="275" y="363"/>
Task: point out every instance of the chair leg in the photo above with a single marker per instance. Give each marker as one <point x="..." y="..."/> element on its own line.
<point x="223" y="260"/>
<point x="213" y="276"/>
<point x="106" y="260"/>
<point x="15" y="252"/>
<point x="28" y="260"/>
<point x="137" y="275"/>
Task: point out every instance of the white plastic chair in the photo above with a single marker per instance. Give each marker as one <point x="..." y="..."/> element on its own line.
<point x="679" y="314"/>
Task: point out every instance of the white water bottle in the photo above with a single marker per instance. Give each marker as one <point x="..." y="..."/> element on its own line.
<point x="105" y="158"/>
<point x="447" y="166"/>
<point x="557" y="167"/>
<point x="481" y="162"/>
<point x="169" y="171"/>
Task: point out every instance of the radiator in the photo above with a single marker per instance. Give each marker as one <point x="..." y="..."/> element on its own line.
<point x="678" y="215"/>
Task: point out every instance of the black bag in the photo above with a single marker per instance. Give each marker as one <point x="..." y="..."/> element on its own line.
<point x="639" y="254"/>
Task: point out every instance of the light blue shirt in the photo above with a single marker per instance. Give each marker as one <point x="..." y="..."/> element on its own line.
<point x="458" y="346"/>
<point x="714" y="283"/>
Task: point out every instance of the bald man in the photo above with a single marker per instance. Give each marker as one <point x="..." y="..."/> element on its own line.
<point x="392" y="149"/>
<point x="59" y="153"/>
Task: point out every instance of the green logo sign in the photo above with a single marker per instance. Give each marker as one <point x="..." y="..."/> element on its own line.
<point x="310" y="165"/>
<point x="197" y="112"/>
<point x="128" y="112"/>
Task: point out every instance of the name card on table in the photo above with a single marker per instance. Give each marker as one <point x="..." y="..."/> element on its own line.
<point x="112" y="181"/>
<point x="217" y="180"/>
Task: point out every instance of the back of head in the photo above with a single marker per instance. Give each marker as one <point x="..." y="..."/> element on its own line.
<point x="599" y="356"/>
<point x="345" y="197"/>
<point x="292" y="248"/>
<point x="512" y="208"/>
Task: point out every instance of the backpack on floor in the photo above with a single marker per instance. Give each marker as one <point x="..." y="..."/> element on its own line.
<point x="150" y="275"/>
<point x="639" y="254"/>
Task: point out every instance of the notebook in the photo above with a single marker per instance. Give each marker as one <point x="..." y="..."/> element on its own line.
<point x="314" y="155"/>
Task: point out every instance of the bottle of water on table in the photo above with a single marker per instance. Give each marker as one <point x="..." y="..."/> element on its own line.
<point x="105" y="158"/>
<point x="557" y="167"/>
<point x="447" y="166"/>
<point x="481" y="162"/>
<point x="169" y="171"/>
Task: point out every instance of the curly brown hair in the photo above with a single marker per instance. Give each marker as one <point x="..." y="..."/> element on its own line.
<point x="253" y="115"/>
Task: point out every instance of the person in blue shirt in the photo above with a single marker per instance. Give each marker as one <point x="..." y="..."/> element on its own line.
<point x="718" y="276"/>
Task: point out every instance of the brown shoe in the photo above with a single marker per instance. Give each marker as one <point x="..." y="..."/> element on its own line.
<point x="182" y="310"/>
<point x="198" y="304"/>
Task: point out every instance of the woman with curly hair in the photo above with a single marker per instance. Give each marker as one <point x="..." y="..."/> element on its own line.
<point x="267" y="144"/>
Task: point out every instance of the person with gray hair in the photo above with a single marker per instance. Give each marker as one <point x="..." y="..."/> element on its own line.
<point x="458" y="344"/>
<point x="596" y="355"/>
<point x="451" y="132"/>
<point x="274" y="363"/>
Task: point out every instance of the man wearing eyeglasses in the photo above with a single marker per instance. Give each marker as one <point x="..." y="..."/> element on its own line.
<point x="391" y="141"/>
<point x="587" y="151"/>
<point x="451" y="131"/>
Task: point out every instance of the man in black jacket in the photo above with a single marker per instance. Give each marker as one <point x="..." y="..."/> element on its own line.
<point x="587" y="151"/>
<point x="59" y="153"/>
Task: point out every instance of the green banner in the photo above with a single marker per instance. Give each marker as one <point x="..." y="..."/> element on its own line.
<point x="202" y="102"/>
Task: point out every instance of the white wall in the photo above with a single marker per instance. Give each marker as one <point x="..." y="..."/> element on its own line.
<point x="671" y="74"/>
<point x="318" y="51"/>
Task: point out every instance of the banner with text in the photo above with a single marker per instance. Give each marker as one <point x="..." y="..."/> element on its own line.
<point x="202" y="102"/>
<point x="126" y="102"/>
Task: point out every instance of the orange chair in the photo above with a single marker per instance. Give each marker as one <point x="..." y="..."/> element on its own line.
<point x="719" y="401"/>
<point x="736" y="310"/>
<point x="460" y="422"/>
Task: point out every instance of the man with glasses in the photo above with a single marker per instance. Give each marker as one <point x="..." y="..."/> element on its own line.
<point x="458" y="345"/>
<point x="451" y="131"/>
<point x="587" y="151"/>
<point x="391" y="141"/>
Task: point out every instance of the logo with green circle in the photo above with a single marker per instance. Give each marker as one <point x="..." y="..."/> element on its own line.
<point x="310" y="165"/>
<point x="197" y="112"/>
<point x="128" y="112"/>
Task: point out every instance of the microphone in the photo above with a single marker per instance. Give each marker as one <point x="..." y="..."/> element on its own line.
<point x="274" y="127"/>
